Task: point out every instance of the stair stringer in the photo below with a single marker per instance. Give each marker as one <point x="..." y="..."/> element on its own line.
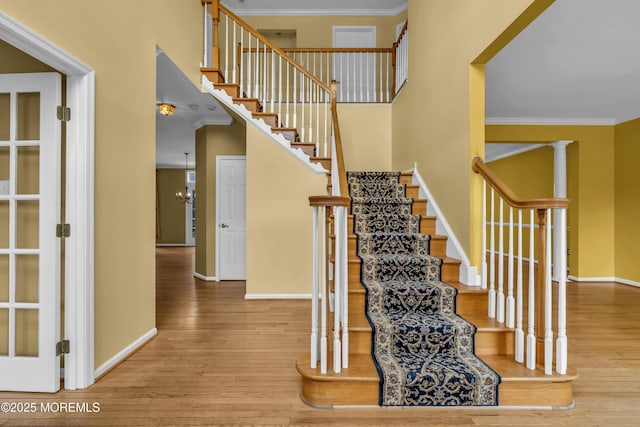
<point x="468" y="273"/>
<point x="223" y="97"/>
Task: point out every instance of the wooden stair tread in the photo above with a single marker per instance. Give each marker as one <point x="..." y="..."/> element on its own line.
<point x="361" y="368"/>
<point x="462" y="288"/>
<point x="486" y="323"/>
<point x="510" y="370"/>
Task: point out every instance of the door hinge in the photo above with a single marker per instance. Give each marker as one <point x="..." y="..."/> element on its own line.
<point x="62" y="347"/>
<point x="64" y="113"/>
<point x="63" y="230"/>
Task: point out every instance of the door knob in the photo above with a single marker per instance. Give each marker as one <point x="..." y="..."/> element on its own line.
<point x="224" y="226"/>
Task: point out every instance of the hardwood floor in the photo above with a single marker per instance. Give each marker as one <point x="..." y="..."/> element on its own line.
<point x="220" y="360"/>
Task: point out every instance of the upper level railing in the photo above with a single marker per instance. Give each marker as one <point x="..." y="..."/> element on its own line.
<point x="401" y="59"/>
<point x="507" y="304"/>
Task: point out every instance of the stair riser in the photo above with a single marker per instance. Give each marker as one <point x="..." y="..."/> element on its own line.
<point x="419" y="207"/>
<point x="214" y="76"/>
<point x="450" y="272"/>
<point x="412" y="192"/>
<point x="327" y="393"/>
<point x="427" y="225"/>
<point x="406" y="178"/>
<point x="231" y="90"/>
<point x="535" y="393"/>
<point x="269" y="120"/>
<point x="309" y="150"/>
<point x="289" y="135"/>
<point x="326" y="163"/>
<point x="437" y="247"/>
<point x="250" y="104"/>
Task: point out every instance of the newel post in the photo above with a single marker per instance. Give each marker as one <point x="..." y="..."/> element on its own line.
<point x="541" y="285"/>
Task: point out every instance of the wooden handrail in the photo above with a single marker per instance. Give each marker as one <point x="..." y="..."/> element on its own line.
<point x="342" y="172"/>
<point x="340" y="49"/>
<point x="479" y="167"/>
<point x="328" y="200"/>
<point x="276" y="49"/>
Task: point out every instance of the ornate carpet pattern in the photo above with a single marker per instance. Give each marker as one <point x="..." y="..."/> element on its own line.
<point x="423" y="351"/>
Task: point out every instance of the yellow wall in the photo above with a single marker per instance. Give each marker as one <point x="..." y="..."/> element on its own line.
<point x="212" y="141"/>
<point x="438" y="118"/>
<point x="317" y="31"/>
<point x="365" y="130"/>
<point x="627" y="200"/>
<point x="118" y="39"/>
<point x="279" y="217"/>
<point x="590" y="185"/>
<point x="170" y="212"/>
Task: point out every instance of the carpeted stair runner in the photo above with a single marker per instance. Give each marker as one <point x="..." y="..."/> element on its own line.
<point x="423" y="351"/>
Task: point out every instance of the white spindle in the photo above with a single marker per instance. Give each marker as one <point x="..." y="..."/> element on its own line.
<point x="561" y="342"/>
<point x="519" y="335"/>
<point x="492" y="260"/>
<point x="368" y="62"/>
<point x="355" y="78"/>
<point x="531" y="304"/>
<point x="264" y="76"/>
<point x="273" y="79"/>
<point x="323" y="291"/>
<point x="279" y="91"/>
<point x="510" y="314"/>
<point x="314" y="292"/>
<point x="256" y="75"/>
<point x="361" y="73"/>
<point x="387" y="88"/>
<point x="226" y="45"/>
<point x="337" y="286"/>
<point x="302" y="102"/>
<point x="327" y="125"/>
<point x="548" y="305"/>
<point x="318" y="91"/>
<point x="344" y="263"/>
<point x="483" y="261"/>
<point x="241" y="60"/>
<point x="249" y="92"/>
<point x="295" y="98"/>
<point x="288" y="100"/>
<point x="235" y="55"/>
<point x="207" y="46"/>
<point x="500" y="297"/>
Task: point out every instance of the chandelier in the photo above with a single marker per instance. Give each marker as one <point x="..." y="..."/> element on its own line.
<point x="187" y="196"/>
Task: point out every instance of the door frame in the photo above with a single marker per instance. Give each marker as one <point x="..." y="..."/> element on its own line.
<point x="218" y="159"/>
<point x="79" y="248"/>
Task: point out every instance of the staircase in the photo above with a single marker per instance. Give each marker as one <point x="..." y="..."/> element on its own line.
<point x="494" y="342"/>
<point x="302" y="111"/>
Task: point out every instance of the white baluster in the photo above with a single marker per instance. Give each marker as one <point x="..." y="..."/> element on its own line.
<point x="295" y="98"/>
<point x="561" y="342"/>
<point x="249" y="68"/>
<point x="318" y="89"/>
<point x="226" y="46"/>
<point x="344" y="263"/>
<point x="483" y="261"/>
<point x="235" y="55"/>
<point x="355" y="78"/>
<point x="519" y="335"/>
<point x="531" y="305"/>
<point x="241" y="60"/>
<point x="273" y="79"/>
<point x="388" y="68"/>
<point x="324" y="295"/>
<point x="279" y="91"/>
<point x="548" y="306"/>
<point x="288" y="100"/>
<point x="367" y="62"/>
<point x="337" y="287"/>
<point x="303" y="78"/>
<point x="327" y="123"/>
<point x="500" y="297"/>
<point x="264" y="76"/>
<point x="492" y="260"/>
<point x="510" y="314"/>
<point x="314" y="292"/>
<point x="256" y="76"/>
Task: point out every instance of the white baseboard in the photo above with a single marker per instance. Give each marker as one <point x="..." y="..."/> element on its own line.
<point x="206" y="278"/>
<point x="605" y="279"/>
<point x="171" y="245"/>
<point x="277" y="296"/>
<point x="126" y="352"/>
<point x="468" y="273"/>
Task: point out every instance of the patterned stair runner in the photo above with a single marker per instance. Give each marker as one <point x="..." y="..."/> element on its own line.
<point x="423" y="351"/>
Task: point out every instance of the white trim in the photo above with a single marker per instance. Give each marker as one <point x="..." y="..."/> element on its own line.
<point x="550" y="121"/>
<point x="171" y="245"/>
<point x="125" y="352"/>
<point x="468" y="273"/>
<point x="318" y="12"/>
<point x="605" y="279"/>
<point x="212" y="121"/>
<point x="524" y="149"/>
<point x="206" y="278"/>
<point x="79" y="259"/>
<point x="276" y="296"/>
<point x="224" y="98"/>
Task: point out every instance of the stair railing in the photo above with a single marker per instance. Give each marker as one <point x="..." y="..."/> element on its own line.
<point x="401" y="59"/>
<point x="331" y="262"/>
<point x="507" y="307"/>
<point x="365" y="74"/>
<point x="243" y="56"/>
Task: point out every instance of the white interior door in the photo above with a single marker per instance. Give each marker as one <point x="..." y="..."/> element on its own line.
<point x="29" y="249"/>
<point x="190" y="210"/>
<point x="231" y="207"/>
<point x="355" y="72"/>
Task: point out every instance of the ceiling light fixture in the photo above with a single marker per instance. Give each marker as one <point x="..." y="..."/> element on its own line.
<point x="166" y="109"/>
<point x="187" y="196"/>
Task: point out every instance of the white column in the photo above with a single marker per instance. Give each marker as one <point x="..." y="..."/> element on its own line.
<point x="560" y="191"/>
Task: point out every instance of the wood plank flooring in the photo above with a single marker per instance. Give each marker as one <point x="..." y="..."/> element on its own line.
<point x="219" y="360"/>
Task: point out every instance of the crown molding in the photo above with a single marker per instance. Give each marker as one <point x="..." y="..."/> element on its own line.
<point x="550" y="121"/>
<point x="212" y="121"/>
<point x="319" y="12"/>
